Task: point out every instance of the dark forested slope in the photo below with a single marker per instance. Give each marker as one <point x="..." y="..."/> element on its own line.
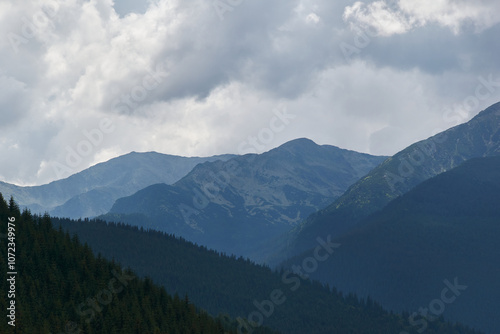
<point x="62" y="287"/>
<point x="447" y="228"/>
<point x="225" y="284"/>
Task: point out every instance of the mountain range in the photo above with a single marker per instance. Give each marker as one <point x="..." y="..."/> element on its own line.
<point x="94" y="190"/>
<point x="480" y="137"/>
<point x="416" y="232"/>
<point x="238" y="206"/>
<point x="445" y="230"/>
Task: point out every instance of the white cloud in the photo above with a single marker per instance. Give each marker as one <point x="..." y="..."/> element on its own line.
<point x="312" y="18"/>
<point x="409" y="14"/>
<point x="378" y="16"/>
<point x="453" y="14"/>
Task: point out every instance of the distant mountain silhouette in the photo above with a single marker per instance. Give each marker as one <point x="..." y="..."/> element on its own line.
<point x="93" y="191"/>
<point x="239" y="205"/>
<point x="480" y="137"/>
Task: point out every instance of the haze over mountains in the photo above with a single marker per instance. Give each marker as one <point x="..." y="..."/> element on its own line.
<point x="231" y="203"/>
<point x="480" y="137"/>
<point x="409" y="225"/>
<point x="93" y="191"/>
<point x="250" y="224"/>
<point x="239" y="205"/>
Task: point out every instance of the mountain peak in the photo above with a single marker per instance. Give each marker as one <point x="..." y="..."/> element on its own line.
<point x="480" y="137"/>
<point x="491" y="111"/>
<point x="299" y="142"/>
<point x="495" y="108"/>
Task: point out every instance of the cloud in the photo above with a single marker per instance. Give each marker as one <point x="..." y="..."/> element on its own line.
<point x="379" y="16"/>
<point x="14" y="101"/>
<point x="126" y="7"/>
<point x="173" y="77"/>
<point x="405" y="15"/>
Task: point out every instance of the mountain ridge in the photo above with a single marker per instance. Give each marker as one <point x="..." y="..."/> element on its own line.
<point x="112" y="179"/>
<point x="397" y="175"/>
<point x="444" y="228"/>
<point x="233" y="201"/>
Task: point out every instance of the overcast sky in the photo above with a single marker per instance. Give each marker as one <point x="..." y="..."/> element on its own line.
<point x="85" y="81"/>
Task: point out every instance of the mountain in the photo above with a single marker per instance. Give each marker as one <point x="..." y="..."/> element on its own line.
<point x="445" y="229"/>
<point x="54" y="284"/>
<point x="253" y="294"/>
<point x="93" y="191"/>
<point x="239" y="205"/>
<point x="480" y="137"/>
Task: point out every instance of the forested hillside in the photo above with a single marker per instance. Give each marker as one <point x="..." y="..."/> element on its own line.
<point x="239" y="288"/>
<point x="446" y="228"/>
<point x="61" y="287"/>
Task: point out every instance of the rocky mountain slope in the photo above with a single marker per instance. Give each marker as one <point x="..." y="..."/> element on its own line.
<point x="480" y="137"/>
<point x="239" y="205"/>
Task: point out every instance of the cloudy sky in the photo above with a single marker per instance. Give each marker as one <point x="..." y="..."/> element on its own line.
<point x="84" y="81"/>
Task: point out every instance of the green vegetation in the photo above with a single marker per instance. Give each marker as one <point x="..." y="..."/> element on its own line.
<point x="445" y="228"/>
<point x="237" y="287"/>
<point x="61" y="287"/>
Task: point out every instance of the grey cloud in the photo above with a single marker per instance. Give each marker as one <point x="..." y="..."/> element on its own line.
<point x="14" y="101"/>
<point x="225" y="77"/>
<point x="432" y="49"/>
<point x="265" y="44"/>
<point x="125" y="7"/>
